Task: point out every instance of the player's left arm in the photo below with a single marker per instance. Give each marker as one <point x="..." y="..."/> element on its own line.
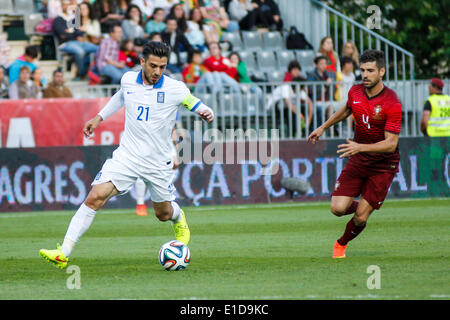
<point x="388" y="145"/>
<point x="194" y="104"/>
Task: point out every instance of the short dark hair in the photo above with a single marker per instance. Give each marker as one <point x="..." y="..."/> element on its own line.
<point x="373" y="55"/>
<point x="294" y="64"/>
<point x="318" y="58"/>
<point x="191" y="54"/>
<point x="32" y="51"/>
<point x="345" y="60"/>
<point x="57" y="70"/>
<point x="156" y="48"/>
<point x="153" y="34"/>
<point x="112" y="25"/>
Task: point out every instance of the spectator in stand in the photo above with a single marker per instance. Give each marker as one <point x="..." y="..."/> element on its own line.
<point x="155" y="36"/>
<point x="72" y="40"/>
<point x="222" y="67"/>
<point x="31" y="53"/>
<point x="196" y="32"/>
<point x="89" y="24"/>
<point x="39" y="81"/>
<point x="177" y="12"/>
<point x="156" y="22"/>
<point x="108" y="56"/>
<point x="147" y="7"/>
<point x="195" y="70"/>
<point x="435" y="117"/>
<point x="320" y="73"/>
<point x="326" y="50"/>
<point x="132" y="24"/>
<point x="175" y="38"/>
<point x="347" y="77"/>
<point x="242" y="11"/>
<point x="24" y="87"/>
<point x="215" y="15"/>
<point x="349" y="50"/>
<point x="56" y="88"/>
<point x="4" y="84"/>
<point x="108" y="13"/>
<point x="128" y="54"/>
<point x="293" y="75"/>
<point x="165" y="5"/>
<point x="267" y="15"/>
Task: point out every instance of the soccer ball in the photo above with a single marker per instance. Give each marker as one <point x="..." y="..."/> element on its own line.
<point x="174" y="255"/>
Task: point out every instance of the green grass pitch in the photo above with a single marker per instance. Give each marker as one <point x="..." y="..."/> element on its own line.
<point x="279" y="251"/>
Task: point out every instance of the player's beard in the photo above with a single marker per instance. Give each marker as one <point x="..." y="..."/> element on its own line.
<point x="149" y="78"/>
<point x="370" y="85"/>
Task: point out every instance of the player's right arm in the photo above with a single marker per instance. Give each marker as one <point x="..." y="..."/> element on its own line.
<point x="113" y="105"/>
<point x="343" y="113"/>
<point x="338" y="116"/>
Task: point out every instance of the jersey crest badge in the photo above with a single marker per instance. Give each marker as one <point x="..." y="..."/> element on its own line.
<point x="160" y="97"/>
<point x="377" y="112"/>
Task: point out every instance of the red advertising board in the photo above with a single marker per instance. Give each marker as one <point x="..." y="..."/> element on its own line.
<point x="55" y="122"/>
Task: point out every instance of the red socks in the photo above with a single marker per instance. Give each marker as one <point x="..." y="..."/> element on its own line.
<point x="351" y="232"/>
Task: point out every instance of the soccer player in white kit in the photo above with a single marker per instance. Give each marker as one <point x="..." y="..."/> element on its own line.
<point x="145" y="151"/>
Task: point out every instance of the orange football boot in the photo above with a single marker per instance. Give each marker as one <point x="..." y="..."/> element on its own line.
<point x="141" y="210"/>
<point x="338" y="251"/>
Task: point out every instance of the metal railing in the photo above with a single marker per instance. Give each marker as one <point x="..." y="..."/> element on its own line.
<point x="262" y="106"/>
<point x="399" y="62"/>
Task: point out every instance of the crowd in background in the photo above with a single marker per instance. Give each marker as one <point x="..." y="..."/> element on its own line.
<point x="111" y="34"/>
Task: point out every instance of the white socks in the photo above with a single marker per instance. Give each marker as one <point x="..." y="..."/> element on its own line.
<point x="80" y="223"/>
<point x="176" y="212"/>
<point x="140" y="191"/>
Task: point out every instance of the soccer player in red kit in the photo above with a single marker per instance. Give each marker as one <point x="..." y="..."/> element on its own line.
<point x="373" y="154"/>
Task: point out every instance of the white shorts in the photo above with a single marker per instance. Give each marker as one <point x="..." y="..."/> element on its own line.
<point x="158" y="182"/>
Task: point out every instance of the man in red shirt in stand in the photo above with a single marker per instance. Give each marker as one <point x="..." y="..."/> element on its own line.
<point x="373" y="154"/>
<point x="221" y="67"/>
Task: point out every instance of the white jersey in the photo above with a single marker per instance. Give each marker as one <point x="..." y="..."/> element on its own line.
<point x="150" y="115"/>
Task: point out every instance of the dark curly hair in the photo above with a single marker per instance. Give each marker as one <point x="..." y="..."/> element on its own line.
<point x="373" y="55"/>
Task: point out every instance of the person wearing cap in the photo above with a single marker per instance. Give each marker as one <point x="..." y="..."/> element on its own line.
<point x="436" y="111"/>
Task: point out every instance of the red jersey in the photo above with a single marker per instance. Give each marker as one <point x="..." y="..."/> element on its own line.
<point x="221" y="65"/>
<point x="373" y="116"/>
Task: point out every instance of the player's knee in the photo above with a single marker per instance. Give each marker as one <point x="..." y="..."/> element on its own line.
<point x="360" y="219"/>
<point x="338" y="209"/>
<point x="94" y="200"/>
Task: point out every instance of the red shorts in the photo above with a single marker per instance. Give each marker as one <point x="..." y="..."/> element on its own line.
<point x="373" y="186"/>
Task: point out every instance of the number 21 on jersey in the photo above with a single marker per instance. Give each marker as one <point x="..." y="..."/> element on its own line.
<point x="143" y="113"/>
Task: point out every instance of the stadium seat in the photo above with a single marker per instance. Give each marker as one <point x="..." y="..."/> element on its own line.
<point x="306" y="59"/>
<point x="273" y="40"/>
<point x="23" y="7"/>
<point x="252" y="40"/>
<point x="258" y="74"/>
<point x="249" y="58"/>
<point x="232" y="104"/>
<point x="234" y="38"/>
<point x="275" y="76"/>
<point x="6" y="7"/>
<point x="284" y="57"/>
<point x="266" y="60"/>
<point x="30" y="21"/>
